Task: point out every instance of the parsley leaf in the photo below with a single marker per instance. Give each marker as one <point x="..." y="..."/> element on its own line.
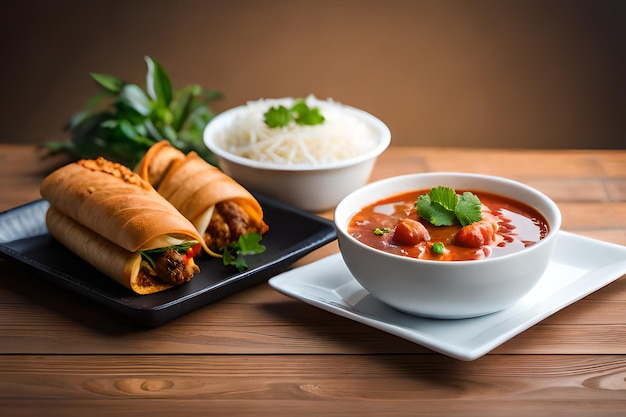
<point x="467" y="209"/>
<point x="234" y="253"/>
<point x="306" y="115"/>
<point x="433" y="212"/>
<point x="278" y="116"/>
<point x="444" y="196"/>
<point x="300" y="113"/>
<point x="443" y="207"/>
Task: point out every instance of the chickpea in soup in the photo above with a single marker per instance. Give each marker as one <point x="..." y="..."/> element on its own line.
<point x="500" y="226"/>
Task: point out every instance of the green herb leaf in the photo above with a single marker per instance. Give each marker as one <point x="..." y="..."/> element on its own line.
<point x="434" y="212"/>
<point x="278" y="116"/>
<point x="180" y="107"/>
<point x="158" y="83"/>
<point x="305" y="116"/>
<point x="133" y="96"/>
<point x="468" y="209"/>
<point x="445" y="196"/>
<point x="234" y="254"/>
<point x="310" y="118"/>
<point x="380" y="232"/>
<point x="299" y="106"/>
<point x="300" y="113"/>
<point x="443" y="207"/>
<point x="109" y="82"/>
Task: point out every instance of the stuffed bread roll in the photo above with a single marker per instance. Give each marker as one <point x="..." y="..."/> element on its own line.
<point x="219" y="207"/>
<point x="157" y="161"/>
<point x="110" y="217"/>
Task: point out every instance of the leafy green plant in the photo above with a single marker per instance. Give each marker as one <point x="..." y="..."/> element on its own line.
<point x="123" y="120"/>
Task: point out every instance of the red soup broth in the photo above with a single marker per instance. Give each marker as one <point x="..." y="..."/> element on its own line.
<point x="520" y="226"/>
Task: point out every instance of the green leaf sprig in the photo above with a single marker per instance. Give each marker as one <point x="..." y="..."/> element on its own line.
<point x="444" y="207"/>
<point x="234" y="254"/>
<point x="123" y="120"/>
<point x="300" y="113"/>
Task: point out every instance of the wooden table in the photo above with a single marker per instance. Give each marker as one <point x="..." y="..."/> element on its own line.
<point x="261" y="353"/>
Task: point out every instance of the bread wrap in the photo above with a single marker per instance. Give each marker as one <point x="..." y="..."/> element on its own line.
<point x="218" y="206"/>
<point x="109" y="216"/>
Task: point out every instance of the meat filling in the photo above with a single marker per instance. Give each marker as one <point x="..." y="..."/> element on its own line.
<point x="228" y="223"/>
<point x="170" y="267"/>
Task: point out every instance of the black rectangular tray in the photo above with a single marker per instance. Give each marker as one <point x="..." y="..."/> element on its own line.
<point x="293" y="234"/>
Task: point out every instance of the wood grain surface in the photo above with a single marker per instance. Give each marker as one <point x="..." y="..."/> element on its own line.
<point x="260" y="353"/>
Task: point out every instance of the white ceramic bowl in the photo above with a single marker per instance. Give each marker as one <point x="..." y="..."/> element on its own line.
<point x="446" y="289"/>
<point x="313" y="188"/>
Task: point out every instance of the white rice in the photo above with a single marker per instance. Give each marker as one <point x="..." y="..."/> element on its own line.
<point x="342" y="135"/>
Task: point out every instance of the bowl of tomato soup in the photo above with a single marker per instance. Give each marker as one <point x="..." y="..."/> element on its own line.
<point x="447" y="245"/>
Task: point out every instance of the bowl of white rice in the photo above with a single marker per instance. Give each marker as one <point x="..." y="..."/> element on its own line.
<point x="308" y="166"/>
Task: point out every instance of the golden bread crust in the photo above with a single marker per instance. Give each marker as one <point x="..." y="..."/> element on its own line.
<point x="117" y="263"/>
<point x="116" y="203"/>
<point x="196" y="187"/>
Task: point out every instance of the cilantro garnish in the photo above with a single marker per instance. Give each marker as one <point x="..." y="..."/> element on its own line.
<point x="299" y="113"/>
<point x="278" y="116"/>
<point x="378" y="231"/>
<point x="468" y="209"/>
<point x="234" y="253"/>
<point x="444" y="207"/>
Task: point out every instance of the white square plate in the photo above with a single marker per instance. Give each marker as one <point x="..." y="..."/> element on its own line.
<point x="580" y="266"/>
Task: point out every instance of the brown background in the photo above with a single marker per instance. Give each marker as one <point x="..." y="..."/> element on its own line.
<point x="470" y="73"/>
